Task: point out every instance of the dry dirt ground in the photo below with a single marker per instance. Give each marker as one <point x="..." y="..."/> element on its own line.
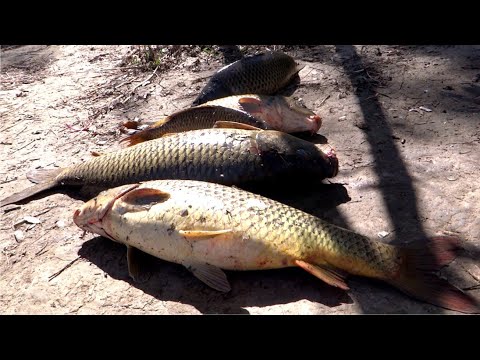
<point x="404" y="120"/>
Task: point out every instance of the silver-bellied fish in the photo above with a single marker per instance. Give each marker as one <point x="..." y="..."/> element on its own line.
<point x="208" y="227"/>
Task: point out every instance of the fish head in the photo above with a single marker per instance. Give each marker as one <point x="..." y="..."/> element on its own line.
<point x="294" y="117"/>
<point x="295" y="153"/>
<point x="90" y="216"/>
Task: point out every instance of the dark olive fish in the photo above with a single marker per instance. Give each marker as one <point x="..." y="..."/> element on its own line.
<point x="225" y="156"/>
<point x="259" y="111"/>
<point x="262" y="74"/>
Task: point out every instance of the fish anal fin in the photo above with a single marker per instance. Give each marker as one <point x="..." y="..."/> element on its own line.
<point x="328" y="275"/>
<point x="211" y="275"/>
<point x="234" y="125"/>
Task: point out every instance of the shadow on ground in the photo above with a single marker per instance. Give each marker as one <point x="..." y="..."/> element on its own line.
<point x="171" y="282"/>
<point x="30" y="58"/>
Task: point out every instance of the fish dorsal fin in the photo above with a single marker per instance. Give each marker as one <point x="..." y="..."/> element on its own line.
<point x="234" y="125"/>
<point x="251" y="104"/>
<point x="202" y="234"/>
<point x="160" y="122"/>
<point x="142" y="199"/>
<point x="211" y="275"/>
<point x="324" y="273"/>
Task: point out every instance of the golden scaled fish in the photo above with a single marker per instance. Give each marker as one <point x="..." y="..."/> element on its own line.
<point x="207" y="227"/>
<point x="254" y="111"/>
<point x="226" y="156"/>
<point x="263" y="74"/>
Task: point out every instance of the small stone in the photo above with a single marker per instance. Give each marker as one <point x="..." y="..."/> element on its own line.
<point x="383" y="234"/>
<point x="32" y="220"/>
<point x="19" y="237"/>
<point x="60" y="224"/>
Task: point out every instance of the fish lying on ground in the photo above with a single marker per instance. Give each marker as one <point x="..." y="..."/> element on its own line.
<point x="226" y="156"/>
<point x="261" y="111"/>
<point x="263" y="74"/>
<point x="208" y="227"/>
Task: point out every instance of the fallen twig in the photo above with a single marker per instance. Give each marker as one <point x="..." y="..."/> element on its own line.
<point x="44" y="211"/>
<point x="7" y="181"/>
<point x="24" y="146"/>
<point x="18" y="123"/>
<point x="51" y="277"/>
<point x="144" y="82"/>
<point x="323" y="101"/>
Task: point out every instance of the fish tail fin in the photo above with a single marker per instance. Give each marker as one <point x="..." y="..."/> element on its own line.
<point x="135" y="139"/>
<point x="28" y="192"/>
<point x="40" y="176"/>
<point x="150" y="133"/>
<point x="45" y="179"/>
<point x="416" y="276"/>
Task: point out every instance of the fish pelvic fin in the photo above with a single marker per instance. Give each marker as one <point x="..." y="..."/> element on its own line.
<point x="211" y="275"/>
<point x="416" y="276"/>
<point x="327" y="274"/>
<point x="133" y="263"/>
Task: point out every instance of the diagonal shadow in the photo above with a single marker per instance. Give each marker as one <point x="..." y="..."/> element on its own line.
<point x="394" y="179"/>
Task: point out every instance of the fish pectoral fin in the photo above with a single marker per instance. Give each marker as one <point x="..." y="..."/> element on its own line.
<point x="211" y="275"/>
<point x="132" y="261"/>
<point x="250" y="104"/>
<point x="234" y="125"/>
<point x="142" y="199"/>
<point x="202" y="234"/>
<point x="330" y="276"/>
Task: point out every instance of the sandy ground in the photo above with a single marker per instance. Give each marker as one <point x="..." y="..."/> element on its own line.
<point x="404" y="120"/>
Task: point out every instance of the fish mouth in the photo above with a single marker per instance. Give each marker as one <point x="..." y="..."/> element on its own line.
<point x="332" y="157"/>
<point x="90" y="216"/>
<point x="316" y="122"/>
